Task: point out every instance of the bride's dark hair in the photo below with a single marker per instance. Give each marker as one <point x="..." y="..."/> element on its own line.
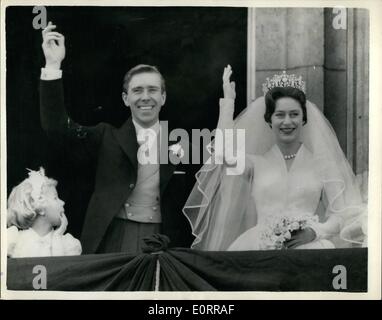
<point x="281" y="92"/>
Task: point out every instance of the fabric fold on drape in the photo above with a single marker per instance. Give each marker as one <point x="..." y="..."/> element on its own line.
<point x="96" y="272"/>
<point x="177" y="276"/>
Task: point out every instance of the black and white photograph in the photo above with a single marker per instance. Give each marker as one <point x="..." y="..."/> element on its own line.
<point x="192" y="148"/>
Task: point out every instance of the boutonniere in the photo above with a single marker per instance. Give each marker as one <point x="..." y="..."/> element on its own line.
<point x="176" y="150"/>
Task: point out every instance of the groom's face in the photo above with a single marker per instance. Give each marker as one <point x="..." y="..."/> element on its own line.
<point x="145" y="98"/>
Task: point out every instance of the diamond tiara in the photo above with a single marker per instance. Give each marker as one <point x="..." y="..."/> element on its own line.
<point x="284" y="80"/>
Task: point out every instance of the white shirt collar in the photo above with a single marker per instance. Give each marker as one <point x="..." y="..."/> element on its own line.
<point x="138" y="127"/>
<point x="144" y="134"/>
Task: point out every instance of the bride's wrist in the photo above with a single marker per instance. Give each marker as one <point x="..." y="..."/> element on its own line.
<point x="227" y="107"/>
<point x="227" y="100"/>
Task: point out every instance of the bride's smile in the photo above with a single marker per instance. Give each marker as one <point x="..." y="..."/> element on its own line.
<point x="287" y="120"/>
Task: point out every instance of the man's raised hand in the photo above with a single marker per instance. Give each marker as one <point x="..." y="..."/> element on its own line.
<point x="53" y="46"/>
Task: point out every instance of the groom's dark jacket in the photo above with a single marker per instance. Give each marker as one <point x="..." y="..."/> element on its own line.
<point x="114" y="151"/>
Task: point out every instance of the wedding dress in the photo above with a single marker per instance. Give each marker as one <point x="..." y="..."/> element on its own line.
<point x="298" y="192"/>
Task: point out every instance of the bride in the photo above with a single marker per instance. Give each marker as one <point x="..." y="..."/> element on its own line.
<point x="297" y="189"/>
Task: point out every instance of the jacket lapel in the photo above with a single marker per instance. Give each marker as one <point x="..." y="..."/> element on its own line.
<point x="127" y="139"/>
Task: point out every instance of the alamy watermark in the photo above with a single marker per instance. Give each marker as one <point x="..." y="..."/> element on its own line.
<point x="340" y="18"/>
<point x="39" y="281"/>
<point x="40" y="19"/>
<point x="220" y="146"/>
<point x="340" y="280"/>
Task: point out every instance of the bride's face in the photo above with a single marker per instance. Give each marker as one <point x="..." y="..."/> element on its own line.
<point x="287" y="120"/>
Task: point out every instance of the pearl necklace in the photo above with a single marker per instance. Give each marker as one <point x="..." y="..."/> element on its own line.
<point x="289" y="156"/>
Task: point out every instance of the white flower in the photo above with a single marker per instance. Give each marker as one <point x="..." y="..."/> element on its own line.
<point x="177" y="150"/>
<point x="37" y="179"/>
<point x="287" y="235"/>
<point x="294" y="226"/>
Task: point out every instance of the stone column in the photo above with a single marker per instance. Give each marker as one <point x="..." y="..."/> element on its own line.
<point x="359" y="131"/>
<point x="291" y="39"/>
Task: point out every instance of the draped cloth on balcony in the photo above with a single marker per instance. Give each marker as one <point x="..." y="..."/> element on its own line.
<point x="182" y="269"/>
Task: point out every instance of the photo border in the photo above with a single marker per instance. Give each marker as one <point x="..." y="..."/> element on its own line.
<point x="375" y="163"/>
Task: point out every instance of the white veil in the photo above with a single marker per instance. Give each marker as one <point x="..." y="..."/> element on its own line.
<point x="221" y="207"/>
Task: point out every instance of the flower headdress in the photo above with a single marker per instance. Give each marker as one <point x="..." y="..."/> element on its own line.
<point x="284" y="80"/>
<point x="26" y="198"/>
<point x="37" y="179"/>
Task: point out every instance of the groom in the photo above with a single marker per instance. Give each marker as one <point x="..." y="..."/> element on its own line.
<point x="131" y="199"/>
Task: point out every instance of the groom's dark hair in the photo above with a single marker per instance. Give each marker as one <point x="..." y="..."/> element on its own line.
<point x="141" y="68"/>
<point x="281" y="92"/>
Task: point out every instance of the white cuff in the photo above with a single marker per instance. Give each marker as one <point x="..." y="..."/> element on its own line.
<point x="50" y="74"/>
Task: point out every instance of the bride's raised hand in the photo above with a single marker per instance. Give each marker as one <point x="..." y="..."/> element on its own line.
<point x="228" y="86"/>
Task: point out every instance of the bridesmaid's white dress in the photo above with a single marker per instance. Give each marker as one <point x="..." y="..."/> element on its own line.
<point x="27" y="243"/>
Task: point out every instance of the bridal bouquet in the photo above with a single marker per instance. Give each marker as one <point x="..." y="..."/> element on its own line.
<point x="279" y="229"/>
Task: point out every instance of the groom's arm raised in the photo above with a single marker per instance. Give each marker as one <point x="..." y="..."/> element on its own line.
<point x="54" y="117"/>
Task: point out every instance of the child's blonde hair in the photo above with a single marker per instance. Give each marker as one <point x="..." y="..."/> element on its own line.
<point x="26" y="199"/>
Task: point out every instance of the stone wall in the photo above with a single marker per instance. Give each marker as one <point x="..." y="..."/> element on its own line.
<point x="291" y="39"/>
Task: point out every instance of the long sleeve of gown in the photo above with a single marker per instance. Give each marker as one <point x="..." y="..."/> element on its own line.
<point x="229" y="145"/>
<point x="226" y="109"/>
<point x="220" y="208"/>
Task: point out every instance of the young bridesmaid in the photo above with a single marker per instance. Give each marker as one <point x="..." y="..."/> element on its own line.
<point x="36" y="220"/>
